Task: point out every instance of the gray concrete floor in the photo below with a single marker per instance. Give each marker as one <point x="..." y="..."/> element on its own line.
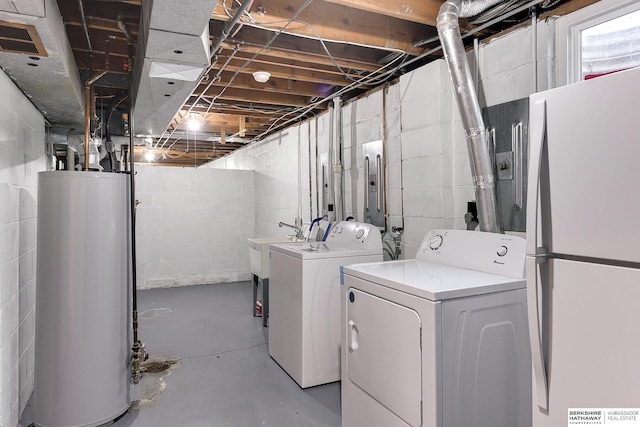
<point x="223" y="374"/>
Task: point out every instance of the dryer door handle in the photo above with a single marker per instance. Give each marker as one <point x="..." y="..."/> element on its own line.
<point x="353" y="336"/>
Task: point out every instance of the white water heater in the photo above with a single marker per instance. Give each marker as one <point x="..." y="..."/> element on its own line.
<point x="83" y="303"/>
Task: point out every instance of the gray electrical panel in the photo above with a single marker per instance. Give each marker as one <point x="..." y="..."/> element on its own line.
<point x="374" y="183"/>
<point x="508" y="129"/>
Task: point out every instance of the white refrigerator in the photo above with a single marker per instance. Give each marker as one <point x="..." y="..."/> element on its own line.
<point x="583" y="252"/>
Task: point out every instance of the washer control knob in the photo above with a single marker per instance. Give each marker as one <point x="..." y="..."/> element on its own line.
<point x="359" y="233"/>
<point x="435" y="242"/>
<point x="502" y="251"/>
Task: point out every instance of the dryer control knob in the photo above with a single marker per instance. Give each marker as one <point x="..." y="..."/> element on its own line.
<point x="360" y="233"/>
<point x="502" y="251"/>
<point x="435" y="242"/>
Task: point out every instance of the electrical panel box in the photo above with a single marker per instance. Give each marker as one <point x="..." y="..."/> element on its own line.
<point x="508" y="130"/>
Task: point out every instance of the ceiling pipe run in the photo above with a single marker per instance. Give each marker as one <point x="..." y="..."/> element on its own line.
<point x="484" y="184"/>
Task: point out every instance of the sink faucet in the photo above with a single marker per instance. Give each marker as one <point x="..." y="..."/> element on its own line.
<point x="299" y="234"/>
<point x="314" y="222"/>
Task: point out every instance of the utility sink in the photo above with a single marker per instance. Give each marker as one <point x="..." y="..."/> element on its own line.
<point x="259" y="263"/>
<point x="259" y="253"/>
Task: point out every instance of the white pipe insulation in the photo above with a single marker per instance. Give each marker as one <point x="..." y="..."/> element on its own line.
<point x="337" y="165"/>
<point x="484" y="184"/>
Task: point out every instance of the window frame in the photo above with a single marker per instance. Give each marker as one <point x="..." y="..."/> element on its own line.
<point x="569" y="32"/>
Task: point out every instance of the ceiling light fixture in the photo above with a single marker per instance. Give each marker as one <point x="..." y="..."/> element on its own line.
<point x="261" y="76"/>
<point x="194" y="122"/>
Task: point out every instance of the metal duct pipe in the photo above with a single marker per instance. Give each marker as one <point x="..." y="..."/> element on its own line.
<point x="481" y="165"/>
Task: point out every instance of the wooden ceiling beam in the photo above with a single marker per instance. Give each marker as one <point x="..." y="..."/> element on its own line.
<point x="259" y="37"/>
<point x="296" y="55"/>
<point x="420" y="11"/>
<point x="268" y="98"/>
<point x="289" y="86"/>
<point x="234" y="110"/>
<point x="317" y="76"/>
<point x="264" y="60"/>
<point x="334" y="22"/>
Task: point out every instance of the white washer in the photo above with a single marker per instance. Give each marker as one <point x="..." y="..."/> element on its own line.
<point x="440" y="340"/>
<point x="304" y="317"/>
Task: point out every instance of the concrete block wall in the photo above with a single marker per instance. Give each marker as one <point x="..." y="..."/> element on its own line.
<point x="427" y="152"/>
<point x="285" y="175"/>
<point x="363" y="121"/>
<point x="427" y="168"/>
<point x="22" y="156"/>
<point x="192" y="226"/>
<point x="506" y="66"/>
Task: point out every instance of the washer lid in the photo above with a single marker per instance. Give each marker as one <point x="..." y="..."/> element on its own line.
<point x="321" y="250"/>
<point x="431" y="280"/>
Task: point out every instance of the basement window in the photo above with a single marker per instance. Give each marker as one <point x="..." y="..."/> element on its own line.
<point x="600" y="39"/>
<point x="20" y="38"/>
<point x="611" y="46"/>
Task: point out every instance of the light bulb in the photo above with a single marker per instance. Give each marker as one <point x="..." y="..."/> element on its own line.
<point x="194" y="122"/>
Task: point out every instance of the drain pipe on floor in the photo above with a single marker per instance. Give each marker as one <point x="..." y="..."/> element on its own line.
<point x="484" y="184"/>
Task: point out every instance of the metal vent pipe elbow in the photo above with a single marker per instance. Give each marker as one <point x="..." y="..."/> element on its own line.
<point x="481" y="164"/>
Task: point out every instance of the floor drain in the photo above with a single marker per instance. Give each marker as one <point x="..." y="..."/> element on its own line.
<point x="156" y="366"/>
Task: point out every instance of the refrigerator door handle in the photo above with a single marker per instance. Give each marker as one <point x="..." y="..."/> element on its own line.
<point x="535" y="335"/>
<point x="536" y="252"/>
<point x="537" y="129"/>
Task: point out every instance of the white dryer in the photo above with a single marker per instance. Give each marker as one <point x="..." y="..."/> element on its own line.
<point x="440" y="340"/>
<point x="304" y="317"/>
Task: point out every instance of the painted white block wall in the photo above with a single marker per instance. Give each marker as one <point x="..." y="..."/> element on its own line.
<point x="426" y="131"/>
<point x="22" y="156"/>
<point x="362" y="122"/>
<point x="192" y="226"/>
<point x="427" y="167"/>
<point x="506" y="66"/>
<point x="282" y="172"/>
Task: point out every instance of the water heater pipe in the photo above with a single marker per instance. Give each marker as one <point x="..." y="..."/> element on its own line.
<point x="87" y="124"/>
<point x="137" y="349"/>
<point x="484" y="184"/>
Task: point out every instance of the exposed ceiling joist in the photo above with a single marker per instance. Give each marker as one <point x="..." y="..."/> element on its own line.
<point x="337" y="23"/>
<point x="422" y="12"/>
<point x="326" y="46"/>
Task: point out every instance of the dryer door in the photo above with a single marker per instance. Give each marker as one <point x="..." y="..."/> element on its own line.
<point x="384" y="353"/>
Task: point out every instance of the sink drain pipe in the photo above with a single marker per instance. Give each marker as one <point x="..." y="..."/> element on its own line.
<point x="484" y="184"/>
